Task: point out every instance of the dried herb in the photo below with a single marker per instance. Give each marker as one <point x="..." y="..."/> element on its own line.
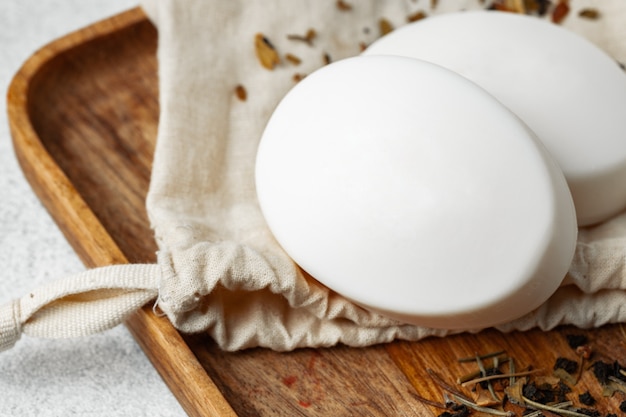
<point x="567" y="365"/>
<point x="308" y="37"/>
<point x="575" y="340"/>
<point x="265" y="52"/>
<point x="297" y="77"/>
<point x="326" y="58"/>
<point x="241" y="93"/>
<point x="591" y="14"/>
<point x="343" y="6"/>
<point x="586" y="398"/>
<point x="560" y="11"/>
<point x="457" y="410"/>
<point x="414" y="17"/>
<point x="604" y="371"/>
<point x="588" y="412"/>
<point x="293" y="59"/>
<point x="384" y="26"/>
<point x="554" y="409"/>
<point x="477" y="407"/>
<point x="485" y="356"/>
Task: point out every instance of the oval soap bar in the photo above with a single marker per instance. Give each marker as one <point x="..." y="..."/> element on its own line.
<point x="414" y="193"/>
<point x="568" y="91"/>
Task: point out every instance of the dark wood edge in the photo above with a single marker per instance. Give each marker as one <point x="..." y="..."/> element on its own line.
<point x="162" y="344"/>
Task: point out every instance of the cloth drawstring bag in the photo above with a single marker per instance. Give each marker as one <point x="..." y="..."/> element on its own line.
<point x="219" y="269"/>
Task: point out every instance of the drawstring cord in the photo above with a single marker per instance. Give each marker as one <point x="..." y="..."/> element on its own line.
<point x="83" y="304"/>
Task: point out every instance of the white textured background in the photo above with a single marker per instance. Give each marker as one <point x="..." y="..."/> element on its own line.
<point x="103" y="375"/>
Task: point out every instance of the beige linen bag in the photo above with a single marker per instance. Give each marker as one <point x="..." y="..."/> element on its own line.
<point x="219" y="269"/>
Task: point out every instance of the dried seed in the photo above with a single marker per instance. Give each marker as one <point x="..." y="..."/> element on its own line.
<point x="293" y="59"/>
<point x="592" y="14"/>
<point x="384" y="26"/>
<point x="514" y="6"/>
<point x="241" y="93"/>
<point x="517" y="6"/>
<point x="308" y="38"/>
<point x="265" y="51"/>
<point x="343" y="6"/>
<point x="560" y="11"/>
<point x="297" y="77"/>
<point x="419" y="15"/>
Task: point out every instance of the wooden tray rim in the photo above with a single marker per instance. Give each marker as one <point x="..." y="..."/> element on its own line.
<point x="163" y="345"/>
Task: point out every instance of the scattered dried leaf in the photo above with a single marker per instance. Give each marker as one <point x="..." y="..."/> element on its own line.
<point x="384" y="26"/>
<point x="483" y="397"/>
<point x="591" y="14"/>
<point x="560" y="11"/>
<point x="297" y="77"/>
<point x="414" y="17"/>
<point x="241" y="93"/>
<point x="515" y="393"/>
<point x="265" y="52"/>
<point x="565" y="376"/>
<point x="293" y="59"/>
<point x="326" y="58"/>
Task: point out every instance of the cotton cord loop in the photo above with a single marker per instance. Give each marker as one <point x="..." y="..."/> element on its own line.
<point x="80" y="305"/>
<point x="10" y="325"/>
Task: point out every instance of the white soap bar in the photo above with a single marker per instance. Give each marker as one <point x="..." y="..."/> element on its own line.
<point x="414" y="193"/>
<point x="570" y="93"/>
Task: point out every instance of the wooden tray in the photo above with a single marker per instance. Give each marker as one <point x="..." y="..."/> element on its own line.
<point x="83" y="113"/>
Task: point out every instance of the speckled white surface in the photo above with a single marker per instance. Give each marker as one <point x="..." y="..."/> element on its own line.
<point x="103" y="375"/>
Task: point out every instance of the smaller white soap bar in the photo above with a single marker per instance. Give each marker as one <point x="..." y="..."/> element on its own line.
<point x="414" y="193"/>
<point x="568" y="91"/>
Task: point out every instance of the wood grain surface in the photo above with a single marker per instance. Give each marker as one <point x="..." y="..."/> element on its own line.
<point x="84" y="116"/>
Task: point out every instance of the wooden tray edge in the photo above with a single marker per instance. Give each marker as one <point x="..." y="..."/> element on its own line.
<point x="161" y="343"/>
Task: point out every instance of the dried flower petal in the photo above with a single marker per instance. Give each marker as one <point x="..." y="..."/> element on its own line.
<point x="384" y="26"/>
<point x="265" y="51"/>
<point x="241" y="93"/>
<point x="560" y="11"/>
